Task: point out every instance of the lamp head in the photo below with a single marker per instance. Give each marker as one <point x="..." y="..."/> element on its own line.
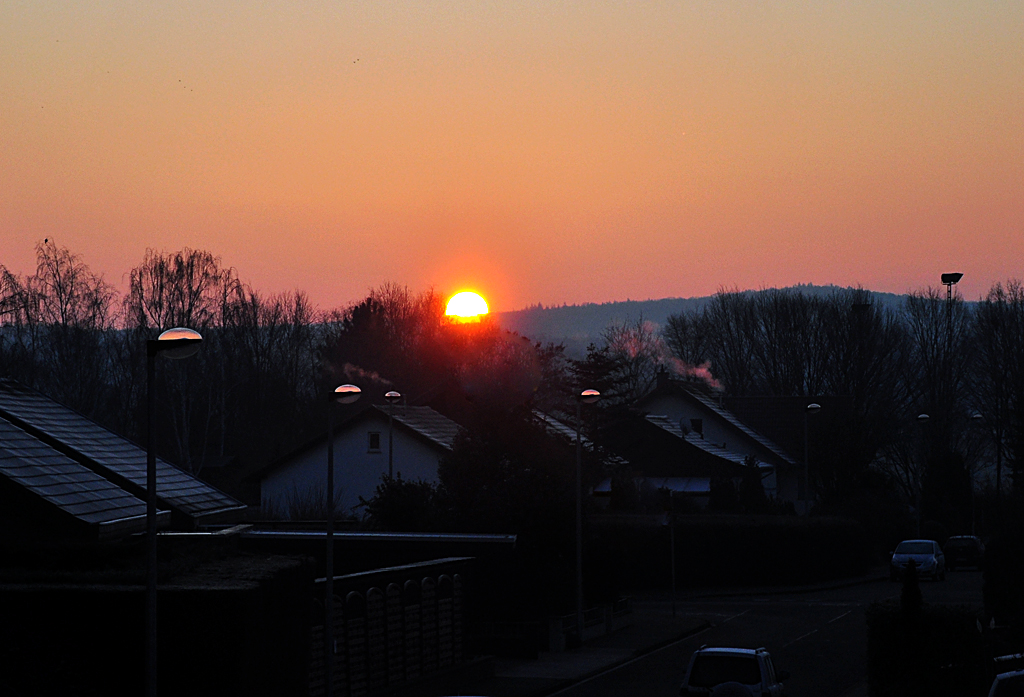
<point x="392" y="396"/>
<point x="921" y="418"/>
<point x="812" y="408"/>
<point x="589" y="396"/>
<point x="177" y="343"/>
<point x="345" y="394"/>
<point x="950" y="279"/>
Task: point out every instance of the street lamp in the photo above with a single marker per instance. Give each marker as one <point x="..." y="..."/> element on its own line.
<point x="391" y="396"/>
<point x="812" y="408"/>
<point x="922" y="419"/>
<point x="585" y="397"/>
<point x="176" y="343"/>
<point x="345" y="394"/>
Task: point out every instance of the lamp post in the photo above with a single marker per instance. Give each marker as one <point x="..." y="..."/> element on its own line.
<point x="345" y="394"/>
<point x="922" y="419"/>
<point x="391" y="396"/>
<point x="585" y="397"/>
<point x="812" y="408"/>
<point x="176" y="343"/>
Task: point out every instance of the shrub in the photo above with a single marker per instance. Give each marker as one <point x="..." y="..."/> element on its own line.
<point x="935" y="652"/>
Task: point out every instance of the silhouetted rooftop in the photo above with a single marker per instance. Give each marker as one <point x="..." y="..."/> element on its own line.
<point x="112" y="456"/>
<point x="68" y="486"/>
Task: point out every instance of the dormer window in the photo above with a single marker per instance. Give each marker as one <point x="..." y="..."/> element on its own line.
<point x="697" y="426"/>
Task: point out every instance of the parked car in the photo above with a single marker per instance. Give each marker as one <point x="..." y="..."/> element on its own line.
<point x="1008" y="685"/>
<point x="711" y="667"/>
<point x="964" y="550"/>
<point x="926" y="554"/>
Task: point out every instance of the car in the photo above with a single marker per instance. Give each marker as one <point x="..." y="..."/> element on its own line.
<point x="712" y="667"/>
<point x="1009" y="684"/>
<point x="964" y="550"/>
<point x="926" y="554"/>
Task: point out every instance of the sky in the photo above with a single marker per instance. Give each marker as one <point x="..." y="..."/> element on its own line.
<point x="535" y="151"/>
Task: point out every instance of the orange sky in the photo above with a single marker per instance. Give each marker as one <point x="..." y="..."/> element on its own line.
<point x="535" y="151"/>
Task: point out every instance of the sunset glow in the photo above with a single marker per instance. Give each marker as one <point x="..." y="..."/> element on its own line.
<point x="624" y="150"/>
<point x="466" y="306"/>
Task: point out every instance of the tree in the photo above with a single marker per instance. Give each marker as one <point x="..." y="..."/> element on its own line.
<point x="188" y="288"/>
<point x="55" y="323"/>
<point x="998" y="383"/>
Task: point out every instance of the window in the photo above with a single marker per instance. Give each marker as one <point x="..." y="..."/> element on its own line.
<point x="374" y="441"/>
<point x="711" y="669"/>
<point x="697" y="426"/>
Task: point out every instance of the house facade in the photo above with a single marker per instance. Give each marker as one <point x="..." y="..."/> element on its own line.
<point x="294" y="485"/>
<point x="698" y="418"/>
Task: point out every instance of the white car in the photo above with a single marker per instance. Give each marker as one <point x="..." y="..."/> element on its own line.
<point x="751" y="668"/>
<point x="926" y="554"/>
<point x="1008" y="685"/>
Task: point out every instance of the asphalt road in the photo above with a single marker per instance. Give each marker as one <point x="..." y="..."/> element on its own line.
<point x="820" y="637"/>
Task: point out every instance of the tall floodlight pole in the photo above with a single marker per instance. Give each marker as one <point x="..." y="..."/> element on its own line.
<point x="391" y="397"/>
<point x="176" y="343"/>
<point x="585" y="397"/>
<point x="922" y="419"/>
<point x="949" y="280"/>
<point x="812" y="408"/>
<point x="345" y="394"/>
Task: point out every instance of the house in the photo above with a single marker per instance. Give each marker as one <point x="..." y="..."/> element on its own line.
<point x="715" y="434"/>
<point x="294" y="486"/>
<point x="68" y="474"/>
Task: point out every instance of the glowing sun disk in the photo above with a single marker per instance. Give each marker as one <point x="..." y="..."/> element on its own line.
<point x="466" y="306"/>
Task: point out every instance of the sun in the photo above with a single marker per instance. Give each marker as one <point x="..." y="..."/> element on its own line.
<point x="466" y="306"/>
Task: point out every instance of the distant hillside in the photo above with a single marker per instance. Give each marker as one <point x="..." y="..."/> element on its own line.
<point x="578" y="325"/>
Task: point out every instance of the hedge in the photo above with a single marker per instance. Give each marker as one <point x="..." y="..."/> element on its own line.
<point x="733" y="550"/>
<point x="937" y="652"/>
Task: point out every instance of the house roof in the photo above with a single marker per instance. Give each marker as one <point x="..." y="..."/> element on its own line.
<point x="668" y="386"/>
<point x="428" y="423"/>
<point x="112" y="456"/>
<point x="69" y="486"/>
<point x="695" y="439"/>
<point x="558" y="427"/>
<point x="423" y="422"/>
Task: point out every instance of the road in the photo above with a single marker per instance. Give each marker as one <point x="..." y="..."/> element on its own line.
<point x="820" y="637"/>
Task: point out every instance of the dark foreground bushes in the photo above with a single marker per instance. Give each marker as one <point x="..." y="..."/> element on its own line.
<point x="936" y="650"/>
<point x="732" y="550"/>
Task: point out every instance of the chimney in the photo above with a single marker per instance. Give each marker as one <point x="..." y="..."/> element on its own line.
<point x="663" y="379"/>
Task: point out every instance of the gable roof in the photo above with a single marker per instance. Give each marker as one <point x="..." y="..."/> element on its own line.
<point x="107" y="510"/>
<point x="426" y="422"/>
<point x="668" y="386"/>
<point x="695" y="439"/>
<point x="113" y="457"/>
<point x="558" y="427"/>
<point x="729" y="417"/>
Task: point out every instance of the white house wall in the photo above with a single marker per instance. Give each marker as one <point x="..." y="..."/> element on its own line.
<point x="357" y="471"/>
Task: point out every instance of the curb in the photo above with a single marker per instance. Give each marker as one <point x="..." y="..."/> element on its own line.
<point x="791" y="590"/>
<point x="638" y="653"/>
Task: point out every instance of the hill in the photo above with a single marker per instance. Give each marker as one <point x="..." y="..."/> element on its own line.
<point x="579" y="325"/>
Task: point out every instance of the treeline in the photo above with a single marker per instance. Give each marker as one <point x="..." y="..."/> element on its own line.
<point x="66" y="333"/>
<point x="959" y="364"/>
<point x="256" y="389"/>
